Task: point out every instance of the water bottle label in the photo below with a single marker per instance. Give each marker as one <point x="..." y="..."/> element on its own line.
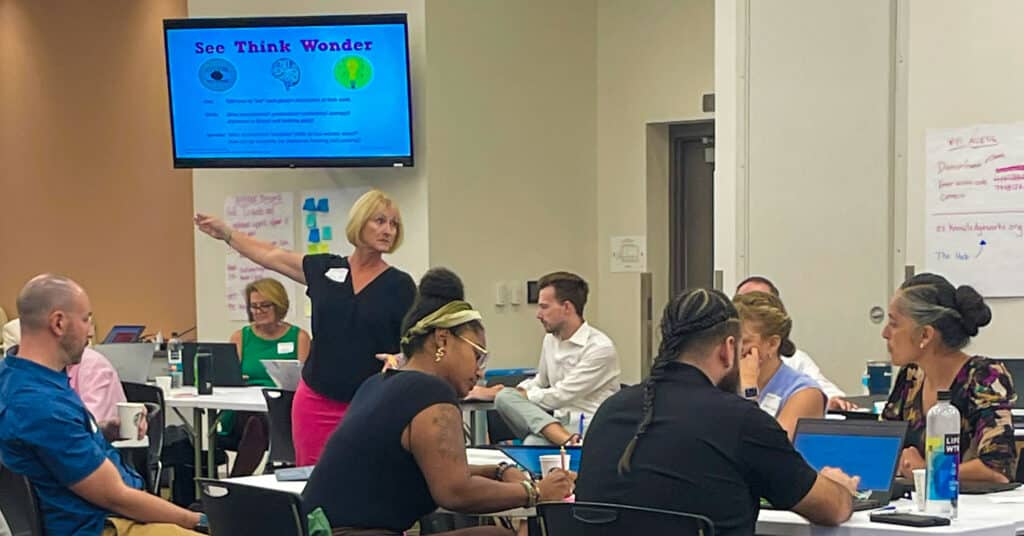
<point x="943" y="454"/>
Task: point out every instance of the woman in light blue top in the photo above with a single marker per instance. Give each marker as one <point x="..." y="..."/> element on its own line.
<point x="781" y="391"/>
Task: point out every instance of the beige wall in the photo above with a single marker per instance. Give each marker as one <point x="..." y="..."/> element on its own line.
<point x="654" y="61"/>
<point x="510" y="94"/>
<point x="407" y="186"/>
<point x="87" y="188"/>
<point x="504" y="120"/>
<point x="965" y="67"/>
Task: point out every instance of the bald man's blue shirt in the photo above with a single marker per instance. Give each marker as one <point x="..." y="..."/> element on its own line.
<point x="48" y="435"/>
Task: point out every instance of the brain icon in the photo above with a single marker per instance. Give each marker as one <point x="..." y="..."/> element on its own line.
<point x="287" y="71"/>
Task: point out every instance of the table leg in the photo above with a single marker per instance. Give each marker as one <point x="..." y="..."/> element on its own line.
<point x="478" y="426"/>
<point x="211" y="444"/>
<point x="197" y="425"/>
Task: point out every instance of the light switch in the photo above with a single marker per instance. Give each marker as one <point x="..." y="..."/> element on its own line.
<point x="500" y="294"/>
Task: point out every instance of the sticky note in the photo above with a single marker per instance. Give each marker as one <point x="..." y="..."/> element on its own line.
<point x="311" y="220"/>
<point x="309" y="204"/>
<point x="324" y="247"/>
<point x="312" y="249"/>
<point x="314" y="236"/>
<point x="327" y="233"/>
<point x="308" y="307"/>
<point x="322" y="205"/>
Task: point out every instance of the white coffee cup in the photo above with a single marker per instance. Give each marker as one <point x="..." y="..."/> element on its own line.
<point x="920" y="489"/>
<point x="554" y="461"/>
<point x="131" y="415"/>
<point x="163" y="382"/>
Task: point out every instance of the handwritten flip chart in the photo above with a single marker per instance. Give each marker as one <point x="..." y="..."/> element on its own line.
<point x="975" y="207"/>
<point x="267" y="216"/>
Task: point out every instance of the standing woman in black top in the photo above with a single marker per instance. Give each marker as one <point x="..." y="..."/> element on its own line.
<point x="400" y="453"/>
<point x="358" y="304"/>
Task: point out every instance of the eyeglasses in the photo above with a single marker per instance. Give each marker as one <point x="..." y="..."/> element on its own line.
<point x="481" y="352"/>
<point x="257" y="307"/>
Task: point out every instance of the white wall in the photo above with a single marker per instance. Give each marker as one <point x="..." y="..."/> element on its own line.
<point x="952" y="64"/>
<point x="654" y="61"/>
<point x="965" y="67"/>
<point x="407" y="186"/>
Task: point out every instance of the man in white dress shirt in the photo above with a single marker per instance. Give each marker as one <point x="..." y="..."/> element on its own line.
<point x="578" y="370"/>
<point x="800" y="360"/>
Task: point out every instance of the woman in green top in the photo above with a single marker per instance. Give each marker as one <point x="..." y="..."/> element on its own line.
<point x="267" y="336"/>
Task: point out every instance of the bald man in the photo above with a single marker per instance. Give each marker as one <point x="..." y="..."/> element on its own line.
<point x="800" y="361"/>
<point x="48" y="435"/>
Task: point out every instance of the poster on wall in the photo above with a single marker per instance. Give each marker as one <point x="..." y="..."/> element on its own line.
<point x="324" y="217"/>
<point x="267" y="216"/>
<point x="974" y="232"/>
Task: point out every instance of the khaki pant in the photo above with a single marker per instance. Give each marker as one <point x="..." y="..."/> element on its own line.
<point x="117" y="526"/>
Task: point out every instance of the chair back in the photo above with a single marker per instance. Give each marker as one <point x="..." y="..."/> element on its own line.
<point x="598" y="519"/>
<point x="18" y="505"/>
<point x="237" y="509"/>
<point x="279" y="413"/>
<point x="153" y="397"/>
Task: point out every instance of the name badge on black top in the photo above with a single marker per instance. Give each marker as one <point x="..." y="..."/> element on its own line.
<point x="337" y="274"/>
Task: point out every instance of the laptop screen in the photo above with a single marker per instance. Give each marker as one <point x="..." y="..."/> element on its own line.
<point x="529" y="456"/>
<point x="869" y="457"/>
<point x="123" y="334"/>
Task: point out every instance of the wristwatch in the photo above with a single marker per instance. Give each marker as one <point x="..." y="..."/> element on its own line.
<point x="750" y="393"/>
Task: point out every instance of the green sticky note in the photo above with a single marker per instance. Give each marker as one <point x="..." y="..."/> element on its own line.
<point x="311" y="220"/>
<point x="323" y="247"/>
<point x="312" y="249"/>
<point x="326" y="233"/>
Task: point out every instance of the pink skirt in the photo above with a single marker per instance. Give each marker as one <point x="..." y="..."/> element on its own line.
<point x="314" y="418"/>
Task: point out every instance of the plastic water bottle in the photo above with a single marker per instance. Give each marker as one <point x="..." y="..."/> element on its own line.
<point x="942" y="457"/>
<point x="174" y="366"/>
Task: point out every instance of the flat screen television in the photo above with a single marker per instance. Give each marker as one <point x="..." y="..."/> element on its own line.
<point x="320" y="91"/>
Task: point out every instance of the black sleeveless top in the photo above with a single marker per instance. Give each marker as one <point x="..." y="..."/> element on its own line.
<point x="364" y="478"/>
<point x="349" y="328"/>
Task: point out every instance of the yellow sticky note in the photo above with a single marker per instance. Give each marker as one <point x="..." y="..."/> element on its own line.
<point x="308" y="307"/>
<point x="312" y="249"/>
<point x="323" y="247"/>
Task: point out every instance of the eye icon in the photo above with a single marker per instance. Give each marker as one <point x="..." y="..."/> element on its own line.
<point x="218" y="74"/>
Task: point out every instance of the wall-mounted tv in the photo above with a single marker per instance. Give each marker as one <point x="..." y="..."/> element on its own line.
<point x="322" y="91"/>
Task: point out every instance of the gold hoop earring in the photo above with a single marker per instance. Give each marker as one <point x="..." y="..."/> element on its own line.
<point x="439" y="355"/>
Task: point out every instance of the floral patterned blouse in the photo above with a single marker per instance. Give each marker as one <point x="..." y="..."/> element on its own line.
<point x="983" y="393"/>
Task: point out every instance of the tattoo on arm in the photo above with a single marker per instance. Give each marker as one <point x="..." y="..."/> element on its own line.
<point x="449" y="434"/>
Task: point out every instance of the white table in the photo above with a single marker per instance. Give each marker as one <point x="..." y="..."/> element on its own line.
<point x="474" y="456"/>
<point x="978" y="516"/>
<point x="222" y="399"/>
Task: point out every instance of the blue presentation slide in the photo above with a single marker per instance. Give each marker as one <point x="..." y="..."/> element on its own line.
<point x="290" y="92"/>
<point x="872" y="458"/>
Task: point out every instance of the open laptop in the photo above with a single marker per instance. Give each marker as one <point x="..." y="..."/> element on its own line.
<point x="124" y="334"/>
<point x="131" y="360"/>
<point x="227" y="369"/>
<point x="528" y="456"/>
<point x="868" y="449"/>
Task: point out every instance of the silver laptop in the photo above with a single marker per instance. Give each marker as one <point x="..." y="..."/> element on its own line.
<point x="131" y="360"/>
<point x="285" y="372"/>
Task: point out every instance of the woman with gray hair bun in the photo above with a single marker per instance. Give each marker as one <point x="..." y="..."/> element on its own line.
<point x="930" y="323"/>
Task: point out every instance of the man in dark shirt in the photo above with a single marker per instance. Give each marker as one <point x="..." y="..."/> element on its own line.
<point x="48" y="435"/>
<point x="684" y="441"/>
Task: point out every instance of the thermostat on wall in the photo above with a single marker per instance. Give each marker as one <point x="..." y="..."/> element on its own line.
<point x="532" y="292"/>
